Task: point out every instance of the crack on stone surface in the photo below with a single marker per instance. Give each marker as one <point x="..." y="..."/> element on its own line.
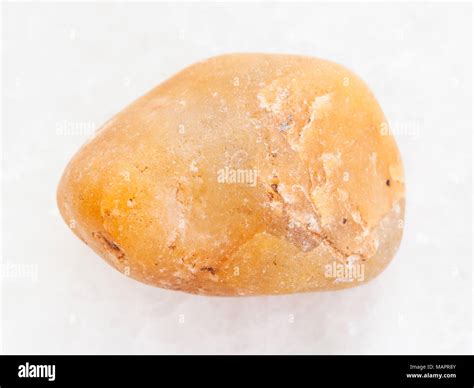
<point x="209" y="269"/>
<point x="110" y="246"/>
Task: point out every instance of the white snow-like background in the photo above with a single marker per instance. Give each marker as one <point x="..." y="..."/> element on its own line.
<point x="69" y="67"/>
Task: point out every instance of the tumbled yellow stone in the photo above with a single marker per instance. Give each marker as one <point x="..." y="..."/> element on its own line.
<point x="245" y="174"/>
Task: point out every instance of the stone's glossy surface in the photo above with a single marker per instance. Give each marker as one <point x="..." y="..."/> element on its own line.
<point x="245" y="174"/>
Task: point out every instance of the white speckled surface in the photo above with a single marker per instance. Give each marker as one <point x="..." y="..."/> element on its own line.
<point x="68" y="68"/>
